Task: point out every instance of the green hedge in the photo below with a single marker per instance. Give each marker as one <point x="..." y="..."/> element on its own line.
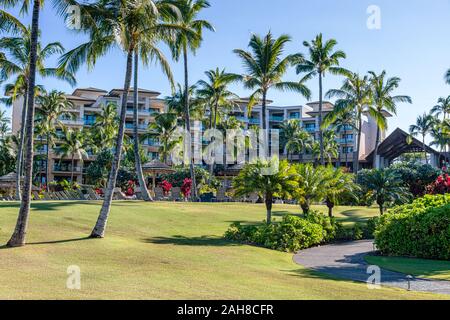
<point x="421" y="229"/>
<point x="291" y="234"/>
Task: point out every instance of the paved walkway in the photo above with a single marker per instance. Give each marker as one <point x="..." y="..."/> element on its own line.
<point x="346" y="260"/>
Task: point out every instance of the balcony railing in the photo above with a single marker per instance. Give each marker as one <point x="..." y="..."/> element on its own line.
<point x="140" y="126"/>
<point x="276" y="118"/>
<point x="254" y="121"/>
<point x="72" y="122"/>
<point x="66" y="169"/>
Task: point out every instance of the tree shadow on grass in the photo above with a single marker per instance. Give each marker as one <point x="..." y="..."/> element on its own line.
<point x="206" y="241"/>
<point x="4" y="247"/>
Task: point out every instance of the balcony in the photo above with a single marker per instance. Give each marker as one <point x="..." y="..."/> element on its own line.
<point x="72" y="122"/>
<point x="129" y="126"/>
<point x="310" y="129"/>
<point x="254" y="121"/>
<point x="66" y="169"/>
<point x="345" y="141"/>
<point x="276" y="118"/>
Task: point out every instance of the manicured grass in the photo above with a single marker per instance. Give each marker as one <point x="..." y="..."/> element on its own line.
<point x="161" y="251"/>
<point x="432" y="269"/>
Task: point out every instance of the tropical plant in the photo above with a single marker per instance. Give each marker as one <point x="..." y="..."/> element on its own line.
<point x="73" y="145"/>
<point x="383" y="100"/>
<point x="176" y="105"/>
<point x="51" y="107"/>
<point x="164" y="129"/>
<point x="322" y="59"/>
<point x="338" y="185"/>
<point x="7" y="155"/>
<point x="385" y="187"/>
<point x="189" y="39"/>
<point x="311" y="185"/>
<point x="423" y="126"/>
<point x="128" y="25"/>
<point x="295" y="139"/>
<point x="105" y="126"/>
<point x="255" y="178"/>
<point x="442" y="107"/>
<point x="265" y="67"/>
<point x="4" y="123"/>
<point x="331" y="146"/>
<point x="354" y="97"/>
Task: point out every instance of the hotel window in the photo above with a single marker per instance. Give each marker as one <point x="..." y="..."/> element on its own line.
<point x="294" y="115"/>
<point x="348" y="137"/>
<point x="89" y="119"/>
<point x="347" y="150"/>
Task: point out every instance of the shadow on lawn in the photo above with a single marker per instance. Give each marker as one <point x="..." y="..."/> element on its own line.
<point x="4" y="247"/>
<point x="206" y="241"/>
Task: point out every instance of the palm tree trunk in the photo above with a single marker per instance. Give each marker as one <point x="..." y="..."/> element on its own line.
<point x="20" y="231"/>
<point x="424" y="149"/>
<point x="358" y="147"/>
<point x="214" y="126"/>
<point x="137" y="158"/>
<point x="72" y="170"/>
<point x="269" y="203"/>
<point x="322" y="158"/>
<point x="20" y="149"/>
<point x="100" y="226"/>
<point x="188" y="122"/>
<point x="264" y="124"/>
<point x="377" y="144"/>
<point x="47" y="167"/>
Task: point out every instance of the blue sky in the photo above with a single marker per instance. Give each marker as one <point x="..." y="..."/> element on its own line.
<point x="413" y="43"/>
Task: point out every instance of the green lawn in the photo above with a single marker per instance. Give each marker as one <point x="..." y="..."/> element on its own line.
<point x="431" y="269"/>
<point x="161" y="251"/>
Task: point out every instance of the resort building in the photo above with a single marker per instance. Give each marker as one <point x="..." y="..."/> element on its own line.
<point x="87" y="104"/>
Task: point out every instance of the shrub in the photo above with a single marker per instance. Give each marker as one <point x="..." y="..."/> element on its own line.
<point x="290" y="235"/>
<point x="420" y="230"/>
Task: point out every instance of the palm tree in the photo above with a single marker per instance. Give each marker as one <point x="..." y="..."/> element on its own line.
<point x="7" y="154"/>
<point x="354" y="97"/>
<point x="265" y="68"/>
<point x="322" y="59"/>
<point x="384" y="186"/>
<point x="51" y="107"/>
<point x="74" y="144"/>
<point x="189" y="39"/>
<point x="4" y="123"/>
<point x="214" y="93"/>
<point x="440" y="135"/>
<point x="252" y="178"/>
<point x="105" y="126"/>
<point x="337" y="185"/>
<point x="164" y="128"/>
<point x="383" y="100"/>
<point x="132" y="25"/>
<point x="311" y="186"/>
<point x="423" y="126"/>
<point x="442" y="107"/>
<point x="296" y="139"/>
<point x="176" y="105"/>
<point x="331" y="146"/>
<point x="16" y="64"/>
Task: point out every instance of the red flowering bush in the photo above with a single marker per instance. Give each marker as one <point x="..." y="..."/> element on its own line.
<point x="130" y="188"/>
<point x="440" y="186"/>
<point x="166" y="186"/>
<point x="186" y="188"/>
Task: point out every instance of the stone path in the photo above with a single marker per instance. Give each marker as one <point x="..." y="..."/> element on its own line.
<point x="346" y="260"/>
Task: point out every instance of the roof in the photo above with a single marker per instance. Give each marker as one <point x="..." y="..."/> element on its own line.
<point x="92" y="89"/>
<point x="397" y="144"/>
<point x="139" y="90"/>
<point x="72" y="97"/>
<point x="10" y="177"/>
<point x="156" y="166"/>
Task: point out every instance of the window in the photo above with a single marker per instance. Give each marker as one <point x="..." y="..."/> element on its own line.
<point x="347" y="150"/>
<point x="89" y="119"/>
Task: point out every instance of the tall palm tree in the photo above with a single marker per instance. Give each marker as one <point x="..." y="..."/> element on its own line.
<point x="164" y="128"/>
<point x="176" y="105"/>
<point x="265" y="67"/>
<point x="130" y="25"/>
<point x="384" y="100"/>
<point x="423" y="126"/>
<point x="189" y="39"/>
<point x="355" y="97"/>
<point x="105" y="126"/>
<point x="442" y="107"/>
<point x="215" y="94"/>
<point x="331" y="146"/>
<point x="74" y="144"/>
<point x="322" y="60"/>
<point x="15" y="64"/>
<point x="440" y="135"/>
<point x="341" y="121"/>
<point x="51" y="107"/>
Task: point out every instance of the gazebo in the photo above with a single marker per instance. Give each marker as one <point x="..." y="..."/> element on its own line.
<point x="8" y="182"/>
<point x="155" y="168"/>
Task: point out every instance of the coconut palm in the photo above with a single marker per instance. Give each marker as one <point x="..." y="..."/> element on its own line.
<point x="4" y="123"/>
<point x="338" y="184"/>
<point x="353" y="97"/>
<point x="423" y="126"/>
<point x="322" y="60"/>
<point x="439" y="133"/>
<point x="385" y="187"/>
<point x="130" y="25"/>
<point x="442" y="108"/>
<point x="214" y="93"/>
<point x="331" y="146"/>
<point x="253" y="178"/>
<point x="15" y="64"/>
<point x="105" y="126"/>
<point x="164" y="129"/>
<point x="311" y="187"/>
<point x="265" y="67"/>
<point x="51" y="108"/>
<point x="74" y="144"/>
<point x="7" y="154"/>
<point x="295" y="138"/>
<point x="383" y="100"/>
<point x="189" y="39"/>
<point x="176" y="104"/>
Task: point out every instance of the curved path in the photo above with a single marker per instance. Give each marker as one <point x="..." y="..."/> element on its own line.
<point x="346" y="260"/>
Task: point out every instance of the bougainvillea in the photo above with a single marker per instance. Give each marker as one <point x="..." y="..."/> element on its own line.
<point x="440" y="186"/>
<point x="186" y="188"/>
<point x="166" y="186"/>
<point x="130" y="188"/>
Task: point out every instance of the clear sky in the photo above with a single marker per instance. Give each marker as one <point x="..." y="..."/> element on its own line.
<point x="413" y="43"/>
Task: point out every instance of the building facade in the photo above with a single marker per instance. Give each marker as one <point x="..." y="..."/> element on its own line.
<point x="88" y="102"/>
